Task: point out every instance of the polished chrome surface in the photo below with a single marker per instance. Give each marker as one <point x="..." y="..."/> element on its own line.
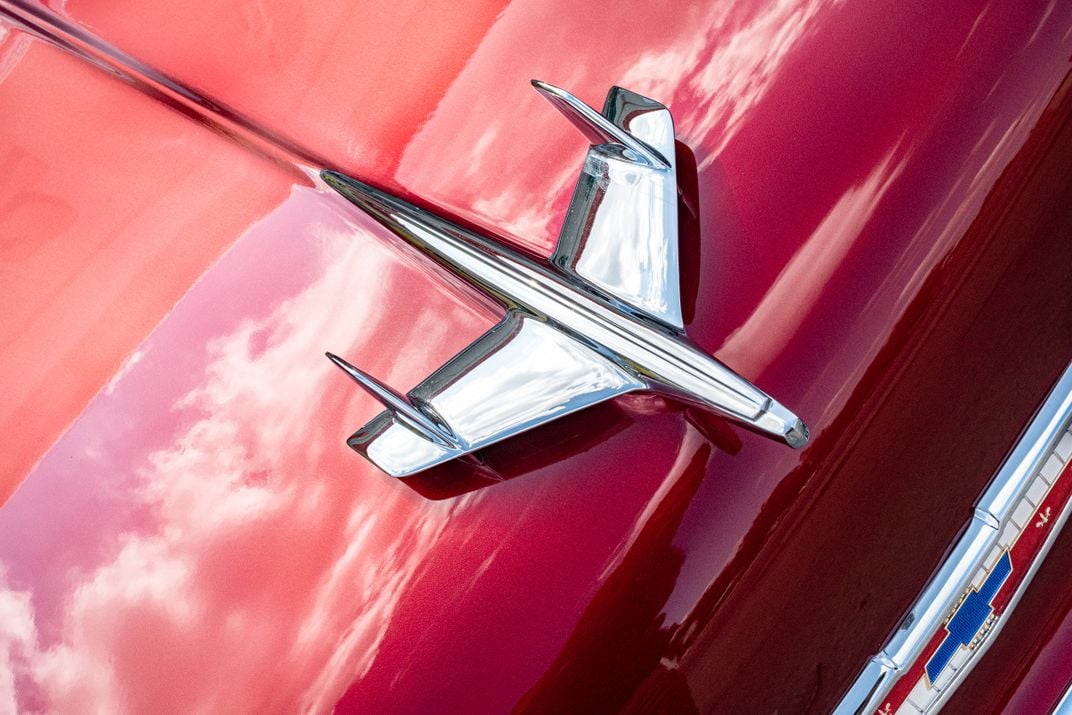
<point x="413" y="417"/>
<point x="1004" y="511"/>
<point x="1064" y="705"/>
<point x="613" y="125"/>
<point x="618" y="233"/>
<point x="587" y="326"/>
<point x="519" y="374"/>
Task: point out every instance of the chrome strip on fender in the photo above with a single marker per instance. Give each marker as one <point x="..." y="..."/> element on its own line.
<point x="1064" y="705"/>
<point x="965" y="603"/>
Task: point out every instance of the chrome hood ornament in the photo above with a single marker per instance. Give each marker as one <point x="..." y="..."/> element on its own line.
<point x="601" y="319"/>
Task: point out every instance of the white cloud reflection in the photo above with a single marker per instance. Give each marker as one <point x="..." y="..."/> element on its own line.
<point x="726" y="68"/>
<point x="273" y="557"/>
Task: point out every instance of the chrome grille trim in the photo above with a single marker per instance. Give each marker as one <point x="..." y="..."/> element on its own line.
<point x="1006" y="510"/>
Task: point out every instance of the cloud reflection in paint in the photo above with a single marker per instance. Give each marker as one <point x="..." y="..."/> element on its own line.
<point x="262" y="554"/>
<point x="711" y="64"/>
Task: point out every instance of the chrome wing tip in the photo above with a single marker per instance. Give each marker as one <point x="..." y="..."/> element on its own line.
<point x="798" y="435"/>
<point x="598" y="128"/>
<point x="780" y="422"/>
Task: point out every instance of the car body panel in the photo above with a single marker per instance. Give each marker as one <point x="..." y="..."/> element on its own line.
<point x="877" y="235"/>
<point x="93" y="259"/>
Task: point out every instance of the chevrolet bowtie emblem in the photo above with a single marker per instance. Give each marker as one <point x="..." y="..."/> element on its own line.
<point x="601" y="318"/>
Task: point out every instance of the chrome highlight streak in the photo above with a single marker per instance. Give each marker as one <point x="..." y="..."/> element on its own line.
<point x="604" y="313"/>
<point x="59" y="30"/>
<point x="398" y="405"/>
<point x="619" y="235"/>
<point x="1064" y="705"/>
<point x="518" y="375"/>
<point x="1004" y="512"/>
<point x="601" y="129"/>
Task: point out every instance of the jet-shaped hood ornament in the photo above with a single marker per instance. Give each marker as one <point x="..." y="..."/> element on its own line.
<point x="600" y="319"/>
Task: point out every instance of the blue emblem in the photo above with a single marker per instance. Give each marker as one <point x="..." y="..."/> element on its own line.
<point x="970" y="617"/>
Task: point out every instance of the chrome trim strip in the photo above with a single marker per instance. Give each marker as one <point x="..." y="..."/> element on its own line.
<point x="58" y="30"/>
<point x="982" y="534"/>
<point x="1064" y="705"/>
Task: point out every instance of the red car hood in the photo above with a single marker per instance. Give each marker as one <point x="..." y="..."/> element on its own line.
<point x="877" y="226"/>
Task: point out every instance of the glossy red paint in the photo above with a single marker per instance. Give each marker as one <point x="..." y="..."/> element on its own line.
<point x="882" y="244"/>
<point x="93" y="250"/>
